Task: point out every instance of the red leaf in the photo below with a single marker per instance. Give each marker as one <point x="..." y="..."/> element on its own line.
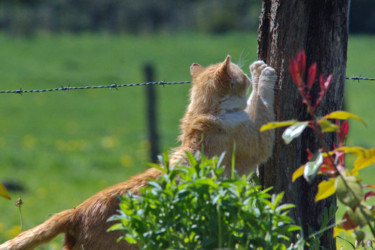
<point x="369" y="194"/>
<point x="309" y="154"/>
<point x="294" y="72"/>
<point x="301" y="60"/>
<point x="311" y="75"/>
<point x="321" y="82"/>
<point x="297" y="68"/>
<point x="344" y="129"/>
<point x="327" y="82"/>
<point x="327" y="163"/>
<point x="349" y="223"/>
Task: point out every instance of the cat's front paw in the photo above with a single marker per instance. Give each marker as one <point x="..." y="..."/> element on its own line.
<point x="256" y="69"/>
<point x="268" y="77"/>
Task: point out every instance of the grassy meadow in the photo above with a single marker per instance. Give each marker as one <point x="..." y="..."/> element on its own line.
<point x="65" y="146"/>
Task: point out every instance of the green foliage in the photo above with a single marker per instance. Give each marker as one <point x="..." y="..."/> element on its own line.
<point x="197" y="207"/>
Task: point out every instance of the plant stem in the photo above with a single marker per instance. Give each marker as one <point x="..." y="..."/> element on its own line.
<point x="19" y="204"/>
<point x="219" y="224"/>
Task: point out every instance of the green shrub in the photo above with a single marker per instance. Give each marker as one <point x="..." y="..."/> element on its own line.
<point x="197" y="207"/>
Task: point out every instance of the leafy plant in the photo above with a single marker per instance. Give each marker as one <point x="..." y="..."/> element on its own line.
<point x="345" y="182"/>
<point x="197" y="207"/>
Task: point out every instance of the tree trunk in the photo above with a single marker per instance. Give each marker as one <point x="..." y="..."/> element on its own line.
<point x="320" y="27"/>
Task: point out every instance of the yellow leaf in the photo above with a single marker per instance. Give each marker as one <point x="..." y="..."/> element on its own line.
<point x="329" y="153"/>
<point x="273" y="125"/>
<point x="325" y="189"/>
<point x="365" y="159"/>
<point x="327" y="126"/>
<point x="343" y="115"/>
<point x="352" y="150"/>
<point x="298" y="173"/>
<point x="3" y="192"/>
<point x="354" y="172"/>
<point x="338" y="229"/>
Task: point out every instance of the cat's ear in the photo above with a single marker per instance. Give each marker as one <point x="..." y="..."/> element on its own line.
<point x="227" y="61"/>
<point x="196" y="70"/>
<point x="224" y="71"/>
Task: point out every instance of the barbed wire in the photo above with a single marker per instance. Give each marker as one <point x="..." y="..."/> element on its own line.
<point x="111" y="86"/>
<point x="354" y="78"/>
<point x="116" y="86"/>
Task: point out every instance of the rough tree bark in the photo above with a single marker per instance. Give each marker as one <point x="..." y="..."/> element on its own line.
<point x="320" y="27"/>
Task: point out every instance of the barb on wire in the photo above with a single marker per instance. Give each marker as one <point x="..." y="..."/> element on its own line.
<point x="111" y="86"/>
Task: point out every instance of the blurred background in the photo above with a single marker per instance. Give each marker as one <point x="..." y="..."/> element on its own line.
<point x="30" y="17"/>
<point x="57" y="149"/>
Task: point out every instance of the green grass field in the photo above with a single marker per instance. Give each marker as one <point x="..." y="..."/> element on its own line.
<point x="65" y="146"/>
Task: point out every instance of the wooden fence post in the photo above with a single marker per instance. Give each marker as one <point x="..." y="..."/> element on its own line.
<point x="151" y="113"/>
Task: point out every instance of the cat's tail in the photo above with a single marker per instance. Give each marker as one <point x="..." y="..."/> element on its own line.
<point x="40" y="234"/>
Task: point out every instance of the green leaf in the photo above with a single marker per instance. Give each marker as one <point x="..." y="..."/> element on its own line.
<point x="157" y="166"/>
<point x="337" y="230"/>
<point x="273" y="125"/>
<point x="278" y="198"/>
<point x="348" y="197"/>
<point x="361" y="215"/>
<point x="358" y="235"/>
<point x="292" y="228"/>
<point x="312" y="166"/>
<point x="4" y="192"/>
<point x="130" y="240"/>
<point x="208" y="182"/>
<point x="343" y="115"/>
<point x="327" y="126"/>
<point x="294" y="131"/>
<point x="233" y="159"/>
<point x="115" y="227"/>
<point x="285" y="207"/>
<point x="326" y="188"/>
<point x="192" y="160"/>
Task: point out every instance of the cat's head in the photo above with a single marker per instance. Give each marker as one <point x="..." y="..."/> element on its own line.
<point x="217" y="87"/>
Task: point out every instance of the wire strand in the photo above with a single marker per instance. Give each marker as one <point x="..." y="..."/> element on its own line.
<point x="111" y="86"/>
<point x="354" y="78"/>
<point x="116" y="86"/>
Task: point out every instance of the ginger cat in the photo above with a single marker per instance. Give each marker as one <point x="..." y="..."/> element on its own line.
<point x="218" y="109"/>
